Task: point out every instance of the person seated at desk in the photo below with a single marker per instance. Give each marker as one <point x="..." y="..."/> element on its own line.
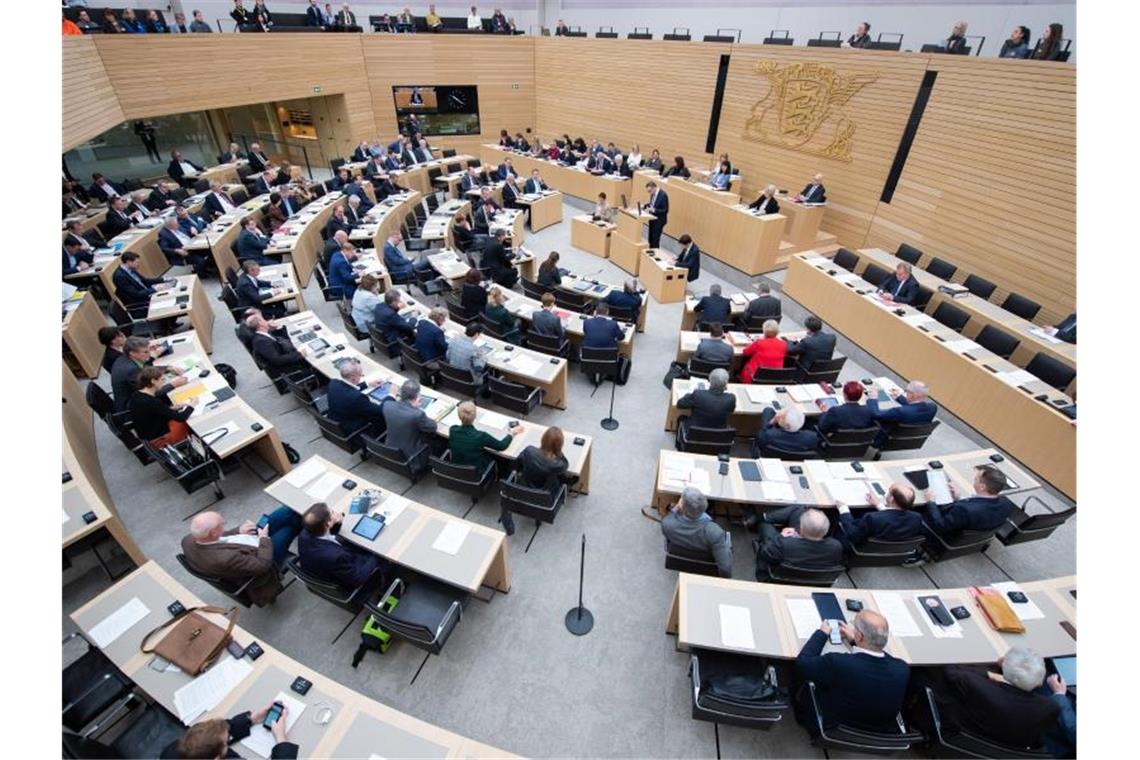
<point x="137" y="354"/>
<point x="690" y="255"/>
<point x="511" y="192"/>
<point x="688" y="527"/>
<point x="722" y="177"/>
<point x="956" y="43"/>
<point x="75" y="198"/>
<point x="863" y="688"/>
<point x="634" y="158"/>
<point x="155" y="25"/>
<point x="626" y="299"/>
<point x="850" y="415"/>
<point x="544" y="321"/>
<point x="474" y="20"/>
<point x="892" y="519"/>
<point x="766" y="203"/>
<point x="714" y="349"/>
<point x="173" y="241"/>
<point x="813" y="192"/>
<point x="815" y="345"/>
<point x="386" y="318"/>
<point x="506" y="169"/>
<point x="347" y="405"/>
<point x="861" y="38"/>
<point x="1005" y="707"/>
<point x="914" y="408"/>
<point x="112" y="339"/>
<point x="473" y="298"/>
<point x="654" y="163"/>
<point x="600" y="331"/>
<point x="678" y="169"/>
<point x="378" y="167"/>
<point x="213" y="737"/>
<point x="136" y="208"/>
<point x="117" y="219"/>
<point x="802" y="541"/>
<point x="257" y="160"/>
<point x="243" y="552"/>
<point x="549" y="273"/>
<point x="785" y="430"/>
<point x="111" y="23"/>
<point x="190" y="224"/>
<point x="713" y="308"/>
<point x="1049" y="47"/>
<point x="103" y="189"/>
<point x="75" y="233"/>
<point x="160" y="197"/>
<point x="521" y="143"/>
<point x="132" y="24"/>
<point x="252" y="291"/>
<point x="763" y="306"/>
<point x="331" y="246"/>
<point x="432" y="20"/>
<point x="495" y="311"/>
<point x="342" y="277"/>
<point x="620" y="167"/>
<point x="409" y="426"/>
<point x="499" y="261"/>
<point x="1017" y="46"/>
<point x="75" y="259"/>
<point x="84" y="22"/>
<point x="462" y="352"/>
<point x="274" y="352"/>
<point x="468" y="444"/>
<point x="400" y="268"/>
<point x="263" y="183"/>
<point x="324" y="555"/>
<point x="464" y="232"/>
<point x="711" y="407"/>
<point x="232" y="155"/>
<point x="603" y="211"/>
<point x="132" y="288"/>
<point x="252" y="242"/>
<point x="1065" y="330"/>
<point x="362" y="152"/>
<point x="182" y="170"/>
<point x="485" y="211"/>
<point x="505" y="140"/>
<point x="543" y="467"/>
<point x="900" y="287"/>
<point x="599" y="163"/>
<point x="986" y="510"/>
<point x="431" y="341"/>
<point x="282" y="205"/>
<point x="472" y="180"/>
<point x="535" y="184"/>
<point x="768" y="352"/>
<point x="218" y="201"/>
<point x="365" y="299"/>
<point x="155" y="418"/>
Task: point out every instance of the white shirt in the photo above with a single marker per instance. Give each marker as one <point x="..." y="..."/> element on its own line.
<point x="634" y="160"/>
<point x="182" y="236"/>
<point x="110" y="191"/>
<point x="240" y="538"/>
<point x="187" y="169"/>
<point x="861" y="650"/>
<point x="225" y="204"/>
<point x="474" y="22"/>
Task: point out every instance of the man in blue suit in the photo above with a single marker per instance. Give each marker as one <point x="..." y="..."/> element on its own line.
<point x="325" y="556"/>
<point x="386" y="318"/>
<point x="75" y="259"/>
<point x="189" y="223"/>
<point x="431" y="342"/>
<point x="987" y="509"/>
<point x="173" y="241"/>
<point x="400" y="268"/>
<point x="253" y="292"/>
<point x="900" y="287"/>
<point x="689" y="257"/>
<point x="815" y="345"/>
<point x="534" y="184"/>
<point x="658" y="205"/>
<point x="506" y="169"/>
<point x="863" y="688"/>
<point x="890" y="520"/>
<point x="342" y="278"/>
<point x="914" y="408"/>
<point x="713" y="308"/>
<point x="347" y="405"/>
<point x="850" y="415"/>
<point x="251" y="243"/>
<point x="133" y="289"/>
<point x="784" y="429"/>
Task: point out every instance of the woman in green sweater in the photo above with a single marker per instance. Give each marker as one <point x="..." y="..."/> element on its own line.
<point x="496" y="312"/>
<point x="468" y="444"/>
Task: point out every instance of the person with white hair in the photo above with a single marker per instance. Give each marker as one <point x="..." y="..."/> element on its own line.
<point x="244" y="552"/>
<point x="689" y="528"/>
<point x="957" y="43"/>
<point x="713" y="308"/>
<point x="766" y="202"/>
<point x="914" y="408"/>
<point x="408" y="426"/>
<point x="710" y="407"/>
<point x="863" y="687"/>
<point x="803" y="541"/>
<point x="784" y="430"/>
<point x="348" y="405"/>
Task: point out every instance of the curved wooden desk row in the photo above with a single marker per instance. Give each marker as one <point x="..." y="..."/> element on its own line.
<point x="300" y="237"/>
<point x="414" y="178"/>
<point x="690" y="317"/>
<point x="739" y="340"/>
<point x="82" y="319"/>
<point x="357" y="727"/>
<point x="185" y="299"/>
<point x="452" y="266"/>
<point x="442" y="407"/>
<point x="819" y="482"/>
<point x="1001" y="401"/>
<point x="384" y="219"/>
<point x="781" y="618"/>
<point x="571" y="180"/>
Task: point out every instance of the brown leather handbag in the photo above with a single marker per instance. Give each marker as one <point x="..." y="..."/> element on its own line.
<point x="195" y="642"/>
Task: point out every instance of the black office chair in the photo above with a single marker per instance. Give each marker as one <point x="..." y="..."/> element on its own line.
<point x="963" y="743"/>
<point x="1022" y="527"/>
<point x="779" y="452"/>
<point x="1051" y="371"/>
<point x="908" y="253"/>
<point x="966" y="543"/>
<point x="980" y="287"/>
<point x="793" y="575"/>
<point x="822" y="371"/>
<point x="702" y="440"/>
<point x="702" y="368"/>
<point x="448" y="153"/>
<point x="91" y="686"/>
<point x="348" y="599"/>
<point x="850" y="739"/>
<point x="922" y="298"/>
<point x="426" y="614"/>
<point x="903" y="437"/>
<point x="549" y="344"/>
<point x="391" y="458"/>
<point x="778" y="41"/>
<point x="456" y="310"/>
<point x="685" y="560"/>
<point x="234" y="588"/>
<point x="537" y="503"/>
<point x="755" y="323"/>
<point x="495" y="329"/>
<point x="941" y="268"/>
<point x="519" y="398"/>
<point x="344" y="306"/>
<point x="119" y="423"/>
<point x="951" y="316"/>
<point x="874" y="275"/>
<point x="189" y="470"/>
<point x="322" y="279"/>
<point x="710" y="671"/>
<point x="1021" y="306"/>
<point x="998" y="341"/>
<point x="848" y="444"/>
<point x="148" y="730"/>
<point x="459" y="380"/>
<point x="532" y="289"/>
<point x="390" y="343"/>
<point x="775" y="376"/>
<point x="412" y="359"/>
<point x="846" y="259"/>
<point x="573" y="301"/>
<point x="465" y="479"/>
<point x="876" y="552"/>
<point x="353" y="443"/>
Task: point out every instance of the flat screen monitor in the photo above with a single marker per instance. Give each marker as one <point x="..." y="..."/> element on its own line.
<point x="440" y="109"/>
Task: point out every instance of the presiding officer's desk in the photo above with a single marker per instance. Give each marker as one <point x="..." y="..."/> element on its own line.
<point x="358" y="727"/>
<point x="441" y="409"/>
<point x="994" y="396"/>
<point x="572" y="180"/>
<point x="410" y="530"/>
<point x="82" y="319"/>
<point x="698" y="604"/>
<point x="627" y="248"/>
<point x="804" y="220"/>
<point x="689" y="340"/>
<point x="676" y="470"/>
<point x="524" y="308"/>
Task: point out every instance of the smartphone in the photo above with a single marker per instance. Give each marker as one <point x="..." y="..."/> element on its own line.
<point x="273" y="715"/>
<point x="263" y="522"/>
<point x="836" y="634"/>
<point x="236" y="649"/>
<point x="856" y="467"/>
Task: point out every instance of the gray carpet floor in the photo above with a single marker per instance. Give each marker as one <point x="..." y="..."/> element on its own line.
<point x="511" y="675"/>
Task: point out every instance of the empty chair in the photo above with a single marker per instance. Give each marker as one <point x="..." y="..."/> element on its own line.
<point x="190" y="470"/>
<point x="532" y="289"/>
<point x="685" y="560"/>
<point x="709" y="671"/>
<point x="851" y="739"/>
<point x="965" y="543"/>
<point x="151" y="729"/>
<point x="822" y="370"/>
<point x="549" y="344"/>
<point x="1051" y="371"/>
<point x="908" y="253"/>
<point x="377" y="339"/>
<point x="459" y="380"/>
<point x="448" y="153"/>
<point x="348" y="599"/>
<point x="333" y="431"/>
<point x="702" y="368"/>
<point x="774" y="376"/>
<point x="91" y="685"/>
<point x="573" y="300"/>
<point x="118" y="422"/>
<point x="1021" y="527"/>
<point x="537" y="503"/>
<point x="905" y="437"/>
<point x="309" y="394"/>
<point x="465" y="479"/>
<point x="517" y="397"/>
<point x="923" y="297"/>
<point x="941" y="268"/>
<point x="846" y="259"/>
<point x="391" y="458"/>
<point x="702" y="440"/>
<point x="234" y="588"/>
<point x="998" y="341"/>
<point x="980" y="287"/>
<point x="874" y="275"/>
<point x="1021" y="306"/>
<point x="951" y="316"/>
<point x="848" y="444"/>
<point x="426" y="614"/>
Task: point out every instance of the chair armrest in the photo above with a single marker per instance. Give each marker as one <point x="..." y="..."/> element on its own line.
<point x="455" y="610"/>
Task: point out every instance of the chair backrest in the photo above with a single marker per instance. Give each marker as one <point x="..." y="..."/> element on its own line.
<point x="456" y="311"/>
<point x="536" y="503"/>
<point x="234" y="589"/>
<point x="703" y="367"/>
<point x="463" y="478"/>
<point x="599" y="361"/>
<point x="997" y="340"/>
<point x="941" y="268"/>
<point x="99" y="400"/>
<point x="778" y="40"/>
<point x="344" y="306"/>
<point x="342" y="597"/>
<point x="874" y="274"/>
<point x="690" y="560"/>
<point x="962" y="743"/>
<point x="850" y="739"/>
<point x="875" y="552"/>
<point x="908" y="253"/>
<point x="493" y="328"/>
<point x="458" y="380"/>
<point x="1021" y="306"/>
<point x="849" y="444"/>
<point x="823" y="370"/>
<point x="846" y="259"/>
<point x="413" y="359"/>
<point x="514" y="396"/>
<point x="774" y="376"/>
<point x="448" y="153"/>
<point x="622" y="313"/>
<point x="965" y="543"/>
<point x="532" y="289"/>
<point x="802" y="576"/>
<point x="571" y="300"/>
<point x="980" y="287"/>
<point x="431" y="623"/>
<point x="923" y="297"/>
<point x="547" y="344"/>
<point x="903" y="437"/>
<point x="390" y="457"/>
<point x="779" y="452"/>
<point x="230" y="299"/>
<point x="951" y="316"/>
<point x="1051" y="371"/>
<point x="1021" y="528"/>
<point x="702" y="440"/>
<point x="333" y="431"/>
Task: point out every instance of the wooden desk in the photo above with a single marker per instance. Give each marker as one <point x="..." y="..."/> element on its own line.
<point x="82" y="319"/>
<point x="524" y="308"/>
<point x="572" y="180"/>
<point x="411" y="530"/>
<point x="438" y="226"/>
<point x="144" y="242"/>
<point x="739" y="340"/>
<point x="694" y="617"/>
<point x="545" y="209"/>
<point x="590" y="236"/>
<point x="225" y="173"/>
<point x="991" y="395"/>
<point x="416" y="177"/>
<point x="690" y="318"/>
<point x="302" y="238"/>
<point x="804" y="220"/>
<point x="382" y="220"/>
<point x="219" y="236"/>
<point x="627" y="249"/>
<point x="453" y="266"/>
<point x="664" y="281"/>
<point x="88" y="218"/>
<point x="186" y="299"/>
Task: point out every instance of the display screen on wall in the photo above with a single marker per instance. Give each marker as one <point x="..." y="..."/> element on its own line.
<point x="442" y="110"/>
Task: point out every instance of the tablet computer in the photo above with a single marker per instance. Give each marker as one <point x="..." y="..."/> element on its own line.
<point x="1066" y="667"/>
<point x="369" y="527"/>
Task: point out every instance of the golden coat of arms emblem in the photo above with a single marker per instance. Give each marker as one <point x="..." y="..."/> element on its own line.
<point x="804" y="109"/>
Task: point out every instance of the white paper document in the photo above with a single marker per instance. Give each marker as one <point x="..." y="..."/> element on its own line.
<point x="65" y="517"/>
<point x="961" y="346"/>
<point x="914" y="320"/>
<point x="260" y="739"/>
<point x="451" y="538"/>
<point x="739" y="299"/>
<point x="940" y="486"/>
<point x="851" y="492"/>
<point x="776" y="491"/>
<point x="899" y="620"/>
<point x="300" y="476"/>
<point x="773" y="469"/>
<point x="207" y="690"/>
<point x="760" y="394"/>
<point x="805" y="617"/>
<point x="118" y="622"/>
<point x="817" y="469"/>
<point x="324" y="486"/>
<point x="1017" y="377"/>
<point x="1040" y="333"/>
<point x="522" y="364"/>
<point x="391" y="508"/>
<point x="736" y="627"/>
<point x="1026" y="610"/>
<point x="494" y="420"/>
<point x="800" y="393"/>
<point x="844" y="471"/>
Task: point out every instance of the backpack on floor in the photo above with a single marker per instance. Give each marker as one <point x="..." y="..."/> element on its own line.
<point x="373" y="638"/>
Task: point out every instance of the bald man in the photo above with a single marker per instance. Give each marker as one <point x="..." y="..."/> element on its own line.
<point x="247" y="551"/>
<point x="813" y="192"/>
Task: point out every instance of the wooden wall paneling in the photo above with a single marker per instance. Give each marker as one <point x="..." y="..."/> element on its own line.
<point x="90" y="105"/>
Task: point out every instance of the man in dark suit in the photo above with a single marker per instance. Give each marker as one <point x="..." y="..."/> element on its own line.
<point x="212" y="737"/>
<point x="400" y="267"/>
<point x="160" y="197"/>
<point x="714" y="348"/>
<point x="815" y="345"/>
<point x="599" y="163"/>
<point x="600" y="331"/>
<point x="485" y="211"/>
<point x="763" y="307"/>
<point x="275" y="353"/>
<point x="900" y="287"/>
<point x="103" y="189"/>
<point x="173" y="241"/>
<point x="393" y="162"/>
<point x="498" y="261"/>
<point x="1066" y="329"/>
<point x="257" y="159"/>
<point x="535" y="183"/>
<point x="254" y="292"/>
<point x="189" y="223"/>
<point x="471" y="180"/>
<point x="137" y="354"/>
<point x="506" y="169"/>
<point x="890" y="520"/>
<point x="117" y="219"/>
<point x="233" y="154"/>
<point x="544" y="321"/>
<point x="658" y="205"/>
<point x="263" y="183"/>
<point x="243" y="552"/>
<point x="986" y="510"/>
<point x="347" y="405"/>
<point x="863" y="688"/>
<point x="314" y="17"/>
<point x="386" y="318"/>
<point x="74" y="232"/>
<point x="689" y="257"/>
<point x="375" y="168"/>
<point x="814" y="191"/>
<point x="711" y="407"/>
<point x="784" y="429"/>
<point x="182" y="170"/>
<point x="713" y="308"/>
<point x="861" y="38"/>
<point x="431" y="341"/>
<point x="75" y="259"/>
<point x="218" y="201"/>
<point x="337" y="222"/>
<point x="329" y="559"/>
<point x="132" y="288"/>
<point x="251" y="243"/>
<point x="850" y="415"/>
<point x="914" y="408"/>
<point x="409" y="426"/>
<point x="511" y="193"/>
<point x="802" y="542"/>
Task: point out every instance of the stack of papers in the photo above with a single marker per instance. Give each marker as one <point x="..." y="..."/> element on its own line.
<point x="760" y="394"/>
<point x="914" y="320"/>
<point x="522" y="364"/>
<point x="207" y="690"/>
<point x="774" y="490"/>
<point x="810" y="392"/>
<point x="736" y="627"/>
<point x="323" y="486"/>
<point x="1016" y="377"/>
<point x="118" y="622"/>
<point x="805" y="617"/>
<point x="773" y="469"/>
<point x="817" y="469"/>
<point x="1039" y="332"/>
<point x="851" y="492"/>
<point x="961" y="346"/>
<point x="899" y="620"/>
<point x="301" y="475"/>
<point x="739" y="299"/>
<point x="451" y="538"/>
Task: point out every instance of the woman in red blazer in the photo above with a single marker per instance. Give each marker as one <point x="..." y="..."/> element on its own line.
<point x="768" y="351"/>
